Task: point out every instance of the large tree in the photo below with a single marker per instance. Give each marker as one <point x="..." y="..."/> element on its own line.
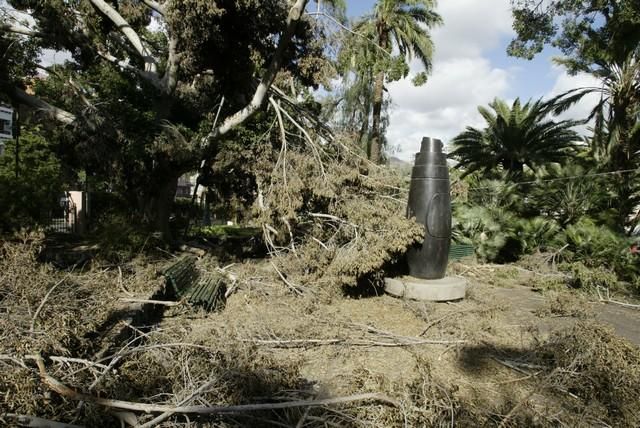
<point x="401" y="25"/>
<point x="602" y="38"/>
<point x="153" y="87"/>
<point x="514" y="136"/>
<point x="589" y="33"/>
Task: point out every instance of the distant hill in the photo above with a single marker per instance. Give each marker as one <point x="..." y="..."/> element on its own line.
<point x="402" y="166"/>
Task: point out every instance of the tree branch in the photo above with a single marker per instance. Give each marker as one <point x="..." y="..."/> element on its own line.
<point x="67" y="392"/>
<point x="128" y="32"/>
<point x="151" y="77"/>
<point x="154" y="5"/>
<point x="295" y="13"/>
<point x="19" y="29"/>
<point x="34" y="102"/>
<point x="170" y="78"/>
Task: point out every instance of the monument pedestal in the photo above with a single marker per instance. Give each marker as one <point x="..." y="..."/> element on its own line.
<point x="435" y="290"/>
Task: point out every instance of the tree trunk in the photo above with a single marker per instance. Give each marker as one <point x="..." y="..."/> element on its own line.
<point x="157" y="205"/>
<point x="363" y="135"/>
<point x="376" y="140"/>
<point x="166" y="195"/>
<point x="378" y="88"/>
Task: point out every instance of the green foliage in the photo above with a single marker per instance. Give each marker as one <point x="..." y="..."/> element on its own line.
<point x="597" y="246"/>
<point x="488" y="229"/>
<point x="566" y="196"/>
<point x="144" y="103"/>
<point x="516" y="136"/>
<point x="121" y="237"/>
<point x="589" y="33"/>
<point x="26" y="199"/>
<point x="365" y="60"/>
<point x="537" y="234"/>
<point x="225" y="231"/>
<point x="420" y="79"/>
<point x="19" y="58"/>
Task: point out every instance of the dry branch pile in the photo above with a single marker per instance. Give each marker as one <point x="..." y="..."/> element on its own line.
<point x="331" y="217"/>
<point x="65" y="315"/>
<point x="275" y="358"/>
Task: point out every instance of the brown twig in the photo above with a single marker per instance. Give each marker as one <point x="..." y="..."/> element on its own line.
<point x="44" y="300"/>
<point x="121" y="284"/>
<point x="62" y="389"/>
<point x="152" y="302"/>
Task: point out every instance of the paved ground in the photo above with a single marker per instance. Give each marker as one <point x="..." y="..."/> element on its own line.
<point x="525" y="302"/>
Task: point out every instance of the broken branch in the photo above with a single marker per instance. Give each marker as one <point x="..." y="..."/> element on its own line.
<point x="65" y="391"/>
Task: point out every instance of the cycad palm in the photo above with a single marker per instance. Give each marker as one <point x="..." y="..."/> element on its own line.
<point x="515" y="136"/>
<point x="403" y="25"/>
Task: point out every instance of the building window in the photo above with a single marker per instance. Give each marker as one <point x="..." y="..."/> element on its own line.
<point x="5" y="129"/>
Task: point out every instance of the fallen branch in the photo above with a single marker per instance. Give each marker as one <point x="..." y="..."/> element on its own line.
<point x="152" y="302"/>
<point x="296" y="343"/>
<point x="32" y="421"/>
<point x="62" y="389"/>
<point x="166" y="415"/>
<point x="77" y="360"/>
<point x="615" y="302"/>
<point x="291" y="286"/>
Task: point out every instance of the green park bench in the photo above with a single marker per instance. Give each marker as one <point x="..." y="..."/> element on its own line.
<point x="459" y="251"/>
<point x="185" y="282"/>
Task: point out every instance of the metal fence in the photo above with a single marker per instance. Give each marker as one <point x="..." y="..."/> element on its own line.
<point x="64" y="218"/>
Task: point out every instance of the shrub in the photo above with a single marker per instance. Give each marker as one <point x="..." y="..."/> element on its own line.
<point x="597" y="246"/>
<point x="487" y="229"/>
<point x="27" y="198"/>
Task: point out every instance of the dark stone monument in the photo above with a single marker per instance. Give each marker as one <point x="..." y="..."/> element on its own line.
<point x="430" y="204"/>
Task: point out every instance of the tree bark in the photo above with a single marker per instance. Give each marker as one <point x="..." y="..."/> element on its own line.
<point x="378" y="88"/>
<point x="157" y="204"/>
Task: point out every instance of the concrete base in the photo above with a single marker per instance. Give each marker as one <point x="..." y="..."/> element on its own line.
<point x="436" y="290"/>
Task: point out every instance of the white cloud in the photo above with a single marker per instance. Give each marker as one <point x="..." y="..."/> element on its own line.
<point x="470" y="27"/>
<point x="464" y="77"/>
<point x="564" y="82"/>
<point x="445" y="105"/>
<point x="461" y="78"/>
<point x="49" y="57"/>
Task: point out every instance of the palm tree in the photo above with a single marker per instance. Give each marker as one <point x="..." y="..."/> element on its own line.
<point x="514" y="137"/>
<point x="404" y="25"/>
<point x="356" y="62"/>
<point x="616" y="138"/>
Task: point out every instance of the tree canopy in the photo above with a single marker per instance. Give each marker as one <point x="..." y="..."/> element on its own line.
<point x="152" y="88"/>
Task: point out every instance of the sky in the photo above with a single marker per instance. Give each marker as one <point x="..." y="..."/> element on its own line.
<point x="470" y="68"/>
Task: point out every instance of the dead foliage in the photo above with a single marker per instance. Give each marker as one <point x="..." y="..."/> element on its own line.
<point x="331" y="217"/>
<point x="63" y="314"/>
<point x="601" y="371"/>
<point x="478" y="362"/>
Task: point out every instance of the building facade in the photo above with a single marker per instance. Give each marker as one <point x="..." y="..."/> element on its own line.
<point x="6" y="125"/>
